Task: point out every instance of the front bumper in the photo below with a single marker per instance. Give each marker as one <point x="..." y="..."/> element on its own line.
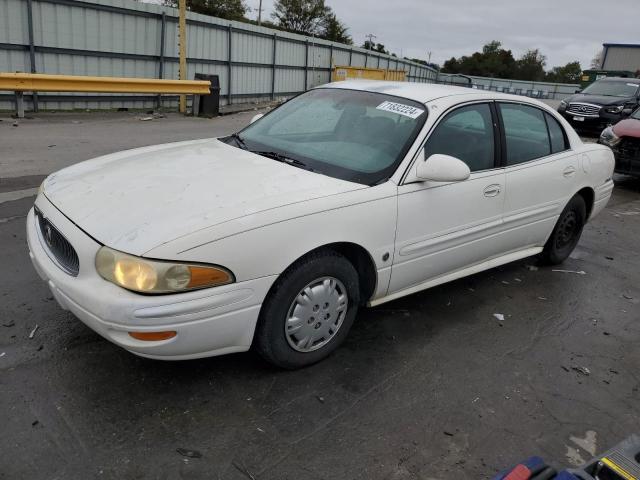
<point x="627" y="160"/>
<point x="599" y="121"/>
<point x="208" y="322"/>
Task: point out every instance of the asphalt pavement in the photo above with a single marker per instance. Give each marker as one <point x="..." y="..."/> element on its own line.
<point x="431" y="386"/>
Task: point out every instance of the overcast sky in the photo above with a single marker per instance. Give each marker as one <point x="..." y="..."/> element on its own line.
<point x="564" y="30"/>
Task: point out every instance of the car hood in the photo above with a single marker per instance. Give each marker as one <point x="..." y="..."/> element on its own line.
<point x="139" y="199"/>
<point x="629" y="127"/>
<point x="599" y="99"/>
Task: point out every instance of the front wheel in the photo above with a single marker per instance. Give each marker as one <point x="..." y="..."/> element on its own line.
<point x="309" y="311"/>
<point x="566" y="233"/>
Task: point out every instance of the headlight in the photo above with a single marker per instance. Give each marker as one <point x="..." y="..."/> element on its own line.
<point x="157" y="276"/>
<point x="615" y="109"/>
<point x="609" y="138"/>
<point x="563" y="103"/>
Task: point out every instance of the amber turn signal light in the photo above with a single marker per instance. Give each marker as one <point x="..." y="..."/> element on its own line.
<point x="153" y="336"/>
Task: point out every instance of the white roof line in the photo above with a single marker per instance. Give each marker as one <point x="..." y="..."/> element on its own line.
<point x="421" y="92"/>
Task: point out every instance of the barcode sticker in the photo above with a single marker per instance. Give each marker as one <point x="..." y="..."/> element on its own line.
<point x="400" y="109"/>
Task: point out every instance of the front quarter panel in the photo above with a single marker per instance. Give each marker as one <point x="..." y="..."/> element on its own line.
<point x="267" y="243"/>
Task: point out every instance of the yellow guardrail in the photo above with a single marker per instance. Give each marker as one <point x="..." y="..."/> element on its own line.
<point x="37" y="82"/>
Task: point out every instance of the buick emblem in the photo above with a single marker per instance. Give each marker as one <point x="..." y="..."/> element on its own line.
<point x="48" y="235"/>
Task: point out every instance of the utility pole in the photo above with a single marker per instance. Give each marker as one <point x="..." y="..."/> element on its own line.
<point x="182" y="47"/>
<point x="429" y="61"/>
<point x="370" y="36"/>
<point x="260" y="13"/>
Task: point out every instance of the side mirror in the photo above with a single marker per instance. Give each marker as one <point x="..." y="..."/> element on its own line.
<point x="442" y="168"/>
<point x="255" y="118"/>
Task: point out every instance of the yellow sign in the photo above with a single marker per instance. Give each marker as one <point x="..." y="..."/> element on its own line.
<point x="361" y="73"/>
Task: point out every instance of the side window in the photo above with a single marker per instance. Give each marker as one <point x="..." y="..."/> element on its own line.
<point x="467" y="134"/>
<point x="525" y="130"/>
<point x="556" y="134"/>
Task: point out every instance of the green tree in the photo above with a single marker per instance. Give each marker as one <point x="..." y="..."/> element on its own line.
<point x="530" y="66"/>
<point x="495" y="61"/>
<point x="335" y="30"/>
<point x="301" y="16"/>
<point x="596" y="61"/>
<point x="570" y="73"/>
<point x="376" y="47"/>
<point x="229" y="9"/>
<point x="451" y="66"/>
<point x="492" y="61"/>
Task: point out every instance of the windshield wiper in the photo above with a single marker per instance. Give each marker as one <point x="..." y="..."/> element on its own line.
<point x="239" y="140"/>
<point x="284" y="159"/>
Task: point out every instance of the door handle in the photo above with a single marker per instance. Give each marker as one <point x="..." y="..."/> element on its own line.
<point x="492" y="190"/>
<point x="569" y="171"/>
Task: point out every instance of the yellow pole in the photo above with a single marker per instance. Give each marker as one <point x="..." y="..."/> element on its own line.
<point x="182" y="45"/>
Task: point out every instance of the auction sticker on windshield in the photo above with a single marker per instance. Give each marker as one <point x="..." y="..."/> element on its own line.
<point x="401" y="109"/>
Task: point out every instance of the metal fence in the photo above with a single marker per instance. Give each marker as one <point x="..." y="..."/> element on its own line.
<point x="542" y="90"/>
<point x="124" y="38"/>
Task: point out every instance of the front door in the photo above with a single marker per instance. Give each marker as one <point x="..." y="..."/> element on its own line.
<point x="444" y="227"/>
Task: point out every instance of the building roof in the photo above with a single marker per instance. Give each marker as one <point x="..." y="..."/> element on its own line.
<point x="622" y="45"/>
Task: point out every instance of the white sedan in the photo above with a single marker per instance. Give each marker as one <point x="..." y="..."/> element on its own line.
<point x="355" y="193"/>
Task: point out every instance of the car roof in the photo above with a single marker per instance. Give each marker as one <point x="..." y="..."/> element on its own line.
<point x="420" y="92"/>
<point x="618" y="79"/>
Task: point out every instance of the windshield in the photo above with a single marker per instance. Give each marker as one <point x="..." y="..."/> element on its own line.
<point x="613" y="89"/>
<point x="348" y="134"/>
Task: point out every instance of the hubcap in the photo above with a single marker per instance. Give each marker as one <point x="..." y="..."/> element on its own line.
<point x="316" y="314"/>
<point x="567" y="230"/>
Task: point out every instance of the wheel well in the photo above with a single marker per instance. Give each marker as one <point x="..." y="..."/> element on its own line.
<point x="588" y="196"/>
<point x="361" y="260"/>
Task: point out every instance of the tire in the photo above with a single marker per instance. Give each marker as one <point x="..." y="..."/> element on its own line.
<point x="327" y="278"/>
<point x="566" y="233"/>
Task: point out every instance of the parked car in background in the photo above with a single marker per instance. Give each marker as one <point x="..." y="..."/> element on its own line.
<point x="624" y="140"/>
<point x="355" y="193"/>
<point x="593" y="75"/>
<point x="602" y="103"/>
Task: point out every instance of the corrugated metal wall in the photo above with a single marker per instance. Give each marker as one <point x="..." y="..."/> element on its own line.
<point x="123" y="38"/>
<point x="621" y="57"/>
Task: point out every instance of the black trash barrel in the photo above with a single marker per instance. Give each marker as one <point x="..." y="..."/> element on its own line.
<point x="208" y="105"/>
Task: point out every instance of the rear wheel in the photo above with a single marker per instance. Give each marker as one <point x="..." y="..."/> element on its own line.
<point x="309" y="310"/>
<point x="566" y="233"/>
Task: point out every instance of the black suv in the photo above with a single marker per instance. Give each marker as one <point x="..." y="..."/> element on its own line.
<point x="602" y="103"/>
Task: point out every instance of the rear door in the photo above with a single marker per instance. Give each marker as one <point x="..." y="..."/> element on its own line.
<point x="444" y="227"/>
<point x="541" y="173"/>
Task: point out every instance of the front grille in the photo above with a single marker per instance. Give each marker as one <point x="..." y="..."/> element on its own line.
<point x="584" y="109"/>
<point x="58" y="247"/>
<point x="629" y="149"/>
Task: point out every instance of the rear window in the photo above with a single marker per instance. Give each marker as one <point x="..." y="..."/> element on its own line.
<point x="557" y="135"/>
